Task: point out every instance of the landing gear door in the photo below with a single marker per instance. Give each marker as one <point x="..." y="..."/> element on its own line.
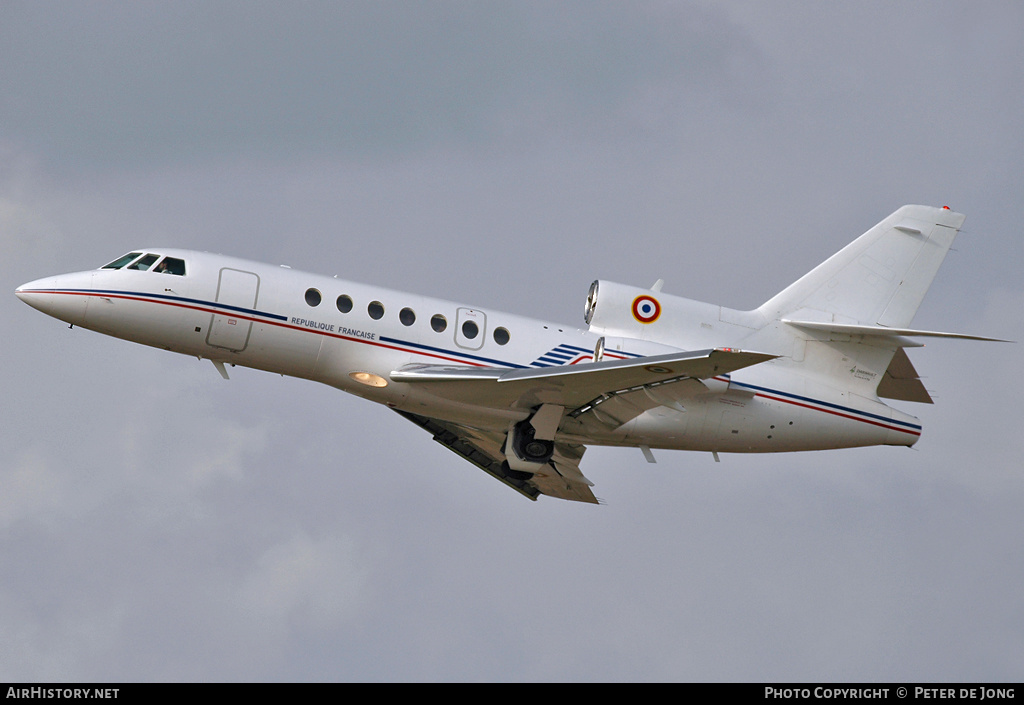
<point x="470" y="328"/>
<point x="229" y="328"/>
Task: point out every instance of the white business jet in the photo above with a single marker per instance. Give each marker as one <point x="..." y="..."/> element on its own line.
<point x="521" y="398"/>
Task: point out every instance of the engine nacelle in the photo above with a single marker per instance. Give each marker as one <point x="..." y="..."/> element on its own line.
<point x="665" y="322"/>
<point x="623" y="310"/>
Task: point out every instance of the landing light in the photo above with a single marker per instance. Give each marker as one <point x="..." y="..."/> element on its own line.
<point x="369" y="379"/>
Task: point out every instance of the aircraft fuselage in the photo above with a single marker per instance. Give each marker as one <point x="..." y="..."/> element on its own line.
<point x="353" y="336"/>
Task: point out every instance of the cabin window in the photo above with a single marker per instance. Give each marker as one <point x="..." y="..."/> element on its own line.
<point x="407" y="316"/>
<point x="144" y="263"/>
<point x="313" y="297"/>
<point x="376" y="310"/>
<point x="501" y="336"/>
<point x="171" y="265"/>
<point x="121" y="261"/>
<point x="438" y="322"/>
<point x="344" y="303"/>
<point x="470" y="329"/>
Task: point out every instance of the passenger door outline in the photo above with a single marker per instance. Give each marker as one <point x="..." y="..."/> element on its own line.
<point x="229" y="329"/>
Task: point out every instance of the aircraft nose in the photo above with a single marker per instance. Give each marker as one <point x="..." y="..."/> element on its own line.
<point x="38" y="294"/>
<point x="65" y="297"/>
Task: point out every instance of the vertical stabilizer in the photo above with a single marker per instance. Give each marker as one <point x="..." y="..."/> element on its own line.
<point x="878" y="279"/>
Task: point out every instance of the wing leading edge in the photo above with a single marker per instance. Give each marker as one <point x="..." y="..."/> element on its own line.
<point x="571" y="386"/>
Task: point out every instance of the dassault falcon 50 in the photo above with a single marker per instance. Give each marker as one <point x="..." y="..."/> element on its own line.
<point x="521" y="398"/>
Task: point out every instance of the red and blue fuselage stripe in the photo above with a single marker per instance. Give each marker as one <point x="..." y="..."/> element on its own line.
<point x="258" y="316"/>
<point x="562" y="354"/>
<point x="827" y="407"/>
<point x="162" y="298"/>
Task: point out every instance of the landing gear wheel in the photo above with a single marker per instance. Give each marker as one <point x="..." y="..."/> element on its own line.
<point x="528" y="448"/>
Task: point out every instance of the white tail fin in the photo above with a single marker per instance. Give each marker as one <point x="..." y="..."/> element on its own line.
<point x="878" y="279"/>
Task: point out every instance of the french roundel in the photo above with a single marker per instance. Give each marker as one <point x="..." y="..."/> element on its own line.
<point x="646" y="309"/>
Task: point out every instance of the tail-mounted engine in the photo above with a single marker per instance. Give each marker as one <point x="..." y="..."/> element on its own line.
<point x="627" y="311"/>
<point x="626" y="316"/>
<point x="618" y="311"/>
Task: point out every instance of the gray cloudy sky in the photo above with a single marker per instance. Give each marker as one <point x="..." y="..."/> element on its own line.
<point x="158" y="523"/>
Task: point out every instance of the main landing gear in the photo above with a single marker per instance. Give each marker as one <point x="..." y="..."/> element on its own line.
<point x="531" y="443"/>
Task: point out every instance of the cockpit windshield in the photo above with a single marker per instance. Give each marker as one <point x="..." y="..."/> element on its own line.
<point x="171" y="265"/>
<point x="121" y="261"/>
<point x="143" y="263"/>
<point x="140" y="262"/>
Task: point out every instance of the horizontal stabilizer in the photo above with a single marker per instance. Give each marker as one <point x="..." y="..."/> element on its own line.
<point x="884" y="331"/>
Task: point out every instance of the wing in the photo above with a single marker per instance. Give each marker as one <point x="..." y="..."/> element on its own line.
<point x="559" y="478"/>
<point x="572" y="386"/>
<point x="622" y="389"/>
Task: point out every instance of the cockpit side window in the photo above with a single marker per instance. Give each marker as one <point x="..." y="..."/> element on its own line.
<point x="144" y="263"/>
<point x="171" y="265"/>
<point x="121" y="261"/>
